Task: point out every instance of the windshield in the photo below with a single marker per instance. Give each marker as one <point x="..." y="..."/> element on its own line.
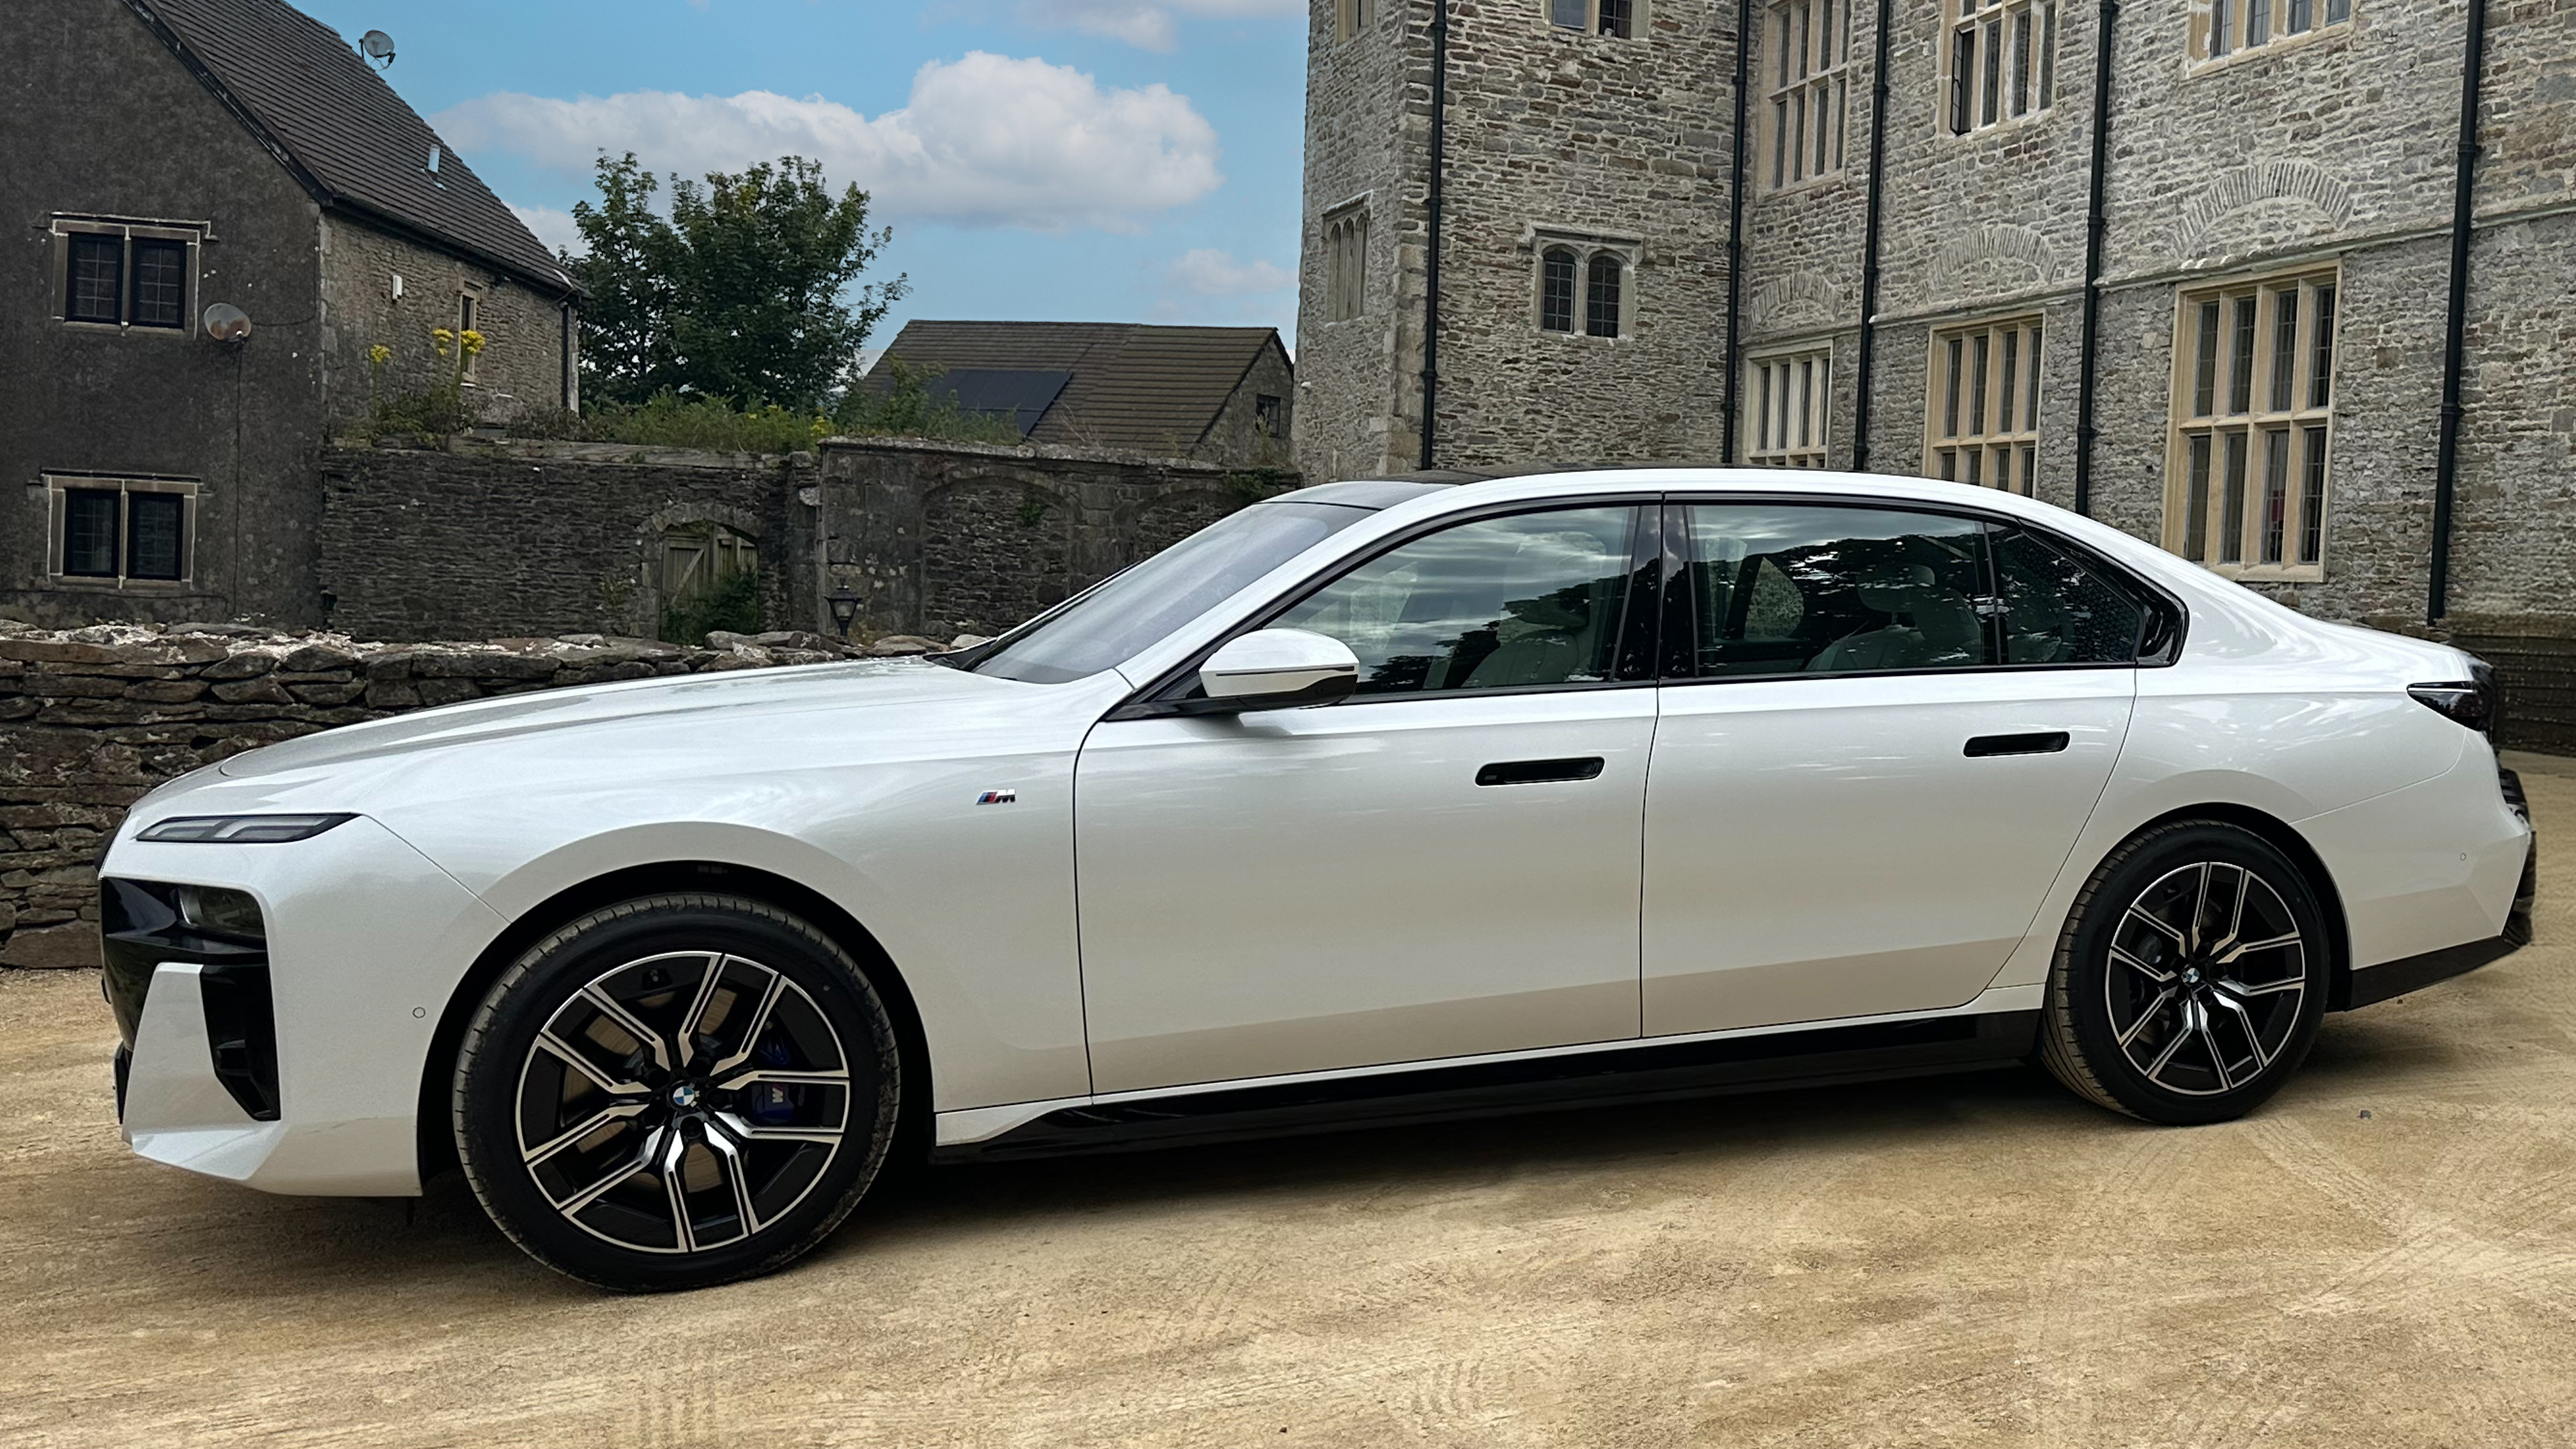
<point x="1135" y="610"/>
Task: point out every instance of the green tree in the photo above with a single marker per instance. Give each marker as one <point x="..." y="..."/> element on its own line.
<point x="747" y="291"/>
<point x="626" y="353"/>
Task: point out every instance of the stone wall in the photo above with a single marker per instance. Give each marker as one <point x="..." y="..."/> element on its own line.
<point x="136" y="136"/>
<point x="943" y="538"/>
<point x="2535" y="661"/>
<point x="2334" y="148"/>
<point x="514" y="537"/>
<point x="91" y="719"/>
<point x="1554" y="134"/>
<point x="522" y="363"/>
<point x="492" y="537"/>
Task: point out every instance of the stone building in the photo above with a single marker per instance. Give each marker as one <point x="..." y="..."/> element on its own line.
<point x="1908" y="190"/>
<point x="1213" y="394"/>
<point x="168" y="157"/>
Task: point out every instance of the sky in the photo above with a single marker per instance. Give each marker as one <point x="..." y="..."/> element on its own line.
<point x="1050" y="160"/>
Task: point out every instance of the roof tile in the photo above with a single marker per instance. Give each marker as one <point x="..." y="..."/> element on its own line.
<point x="316" y="97"/>
<point x="1135" y="388"/>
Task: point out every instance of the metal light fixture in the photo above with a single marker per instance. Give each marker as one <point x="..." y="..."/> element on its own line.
<point x="845" y="608"/>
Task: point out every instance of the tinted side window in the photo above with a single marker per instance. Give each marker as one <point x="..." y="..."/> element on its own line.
<point x="2058" y="611"/>
<point x="1785" y="589"/>
<point x="1533" y="599"/>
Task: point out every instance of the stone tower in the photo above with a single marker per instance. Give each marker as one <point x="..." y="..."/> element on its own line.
<point x="1583" y="232"/>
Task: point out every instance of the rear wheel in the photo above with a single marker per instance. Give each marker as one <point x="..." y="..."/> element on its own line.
<point x="676" y="1091"/>
<point x="2191" y="976"/>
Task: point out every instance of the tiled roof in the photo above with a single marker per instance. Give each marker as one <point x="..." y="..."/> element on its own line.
<point x="307" y="93"/>
<point x="1135" y="388"/>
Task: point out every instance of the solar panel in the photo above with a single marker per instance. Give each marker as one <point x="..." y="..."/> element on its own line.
<point x="1020" y="395"/>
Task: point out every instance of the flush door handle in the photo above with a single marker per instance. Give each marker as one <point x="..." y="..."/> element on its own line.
<point x="1535" y="772"/>
<point x="2048" y="743"/>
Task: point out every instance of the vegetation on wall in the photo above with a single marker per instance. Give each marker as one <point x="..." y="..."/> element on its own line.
<point x="733" y="323"/>
<point x="434" y="411"/>
<point x="900" y="402"/>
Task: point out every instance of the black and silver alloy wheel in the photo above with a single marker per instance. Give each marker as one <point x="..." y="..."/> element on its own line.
<point x="676" y="1091"/>
<point x="681" y="1101"/>
<point x="2211" y="972"/>
<point x="2190" y="978"/>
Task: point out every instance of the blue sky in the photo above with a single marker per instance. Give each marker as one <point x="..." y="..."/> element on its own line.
<point x="1080" y="160"/>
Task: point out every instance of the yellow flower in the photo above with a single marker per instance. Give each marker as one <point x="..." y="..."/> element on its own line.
<point x="473" y="341"/>
<point x="380" y="354"/>
<point x="439" y="337"/>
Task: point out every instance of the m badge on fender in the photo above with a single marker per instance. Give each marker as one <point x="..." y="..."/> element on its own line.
<point x="998" y="797"/>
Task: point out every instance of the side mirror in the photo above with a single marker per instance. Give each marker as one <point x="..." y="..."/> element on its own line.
<point x="1278" y="669"/>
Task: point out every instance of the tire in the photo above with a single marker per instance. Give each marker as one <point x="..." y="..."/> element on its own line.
<point x="2190" y="978"/>
<point x="616" y="1150"/>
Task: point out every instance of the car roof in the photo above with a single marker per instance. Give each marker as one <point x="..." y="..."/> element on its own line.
<point x="1538" y="479"/>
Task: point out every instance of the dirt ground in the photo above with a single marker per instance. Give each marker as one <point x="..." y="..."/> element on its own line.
<point x="2386" y="1255"/>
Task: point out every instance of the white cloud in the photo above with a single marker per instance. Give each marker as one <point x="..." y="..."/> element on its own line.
<point x="1147" y="23"/>
<point x="554" y="228"/>
<point x="1208" y="272"/>
<point x="985" y="140"/>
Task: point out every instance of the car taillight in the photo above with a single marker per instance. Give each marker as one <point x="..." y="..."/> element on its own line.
<point x="2473" y="702"/>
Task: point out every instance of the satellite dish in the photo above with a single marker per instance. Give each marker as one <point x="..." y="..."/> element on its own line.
<point x="378" y="47"/>
<point x="227" y="323"/>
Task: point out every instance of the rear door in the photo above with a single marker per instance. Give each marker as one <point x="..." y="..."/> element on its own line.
<point x="1880" y="733"/>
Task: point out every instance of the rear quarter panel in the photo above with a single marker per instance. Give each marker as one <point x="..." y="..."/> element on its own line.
<point x="2270" y="712"/>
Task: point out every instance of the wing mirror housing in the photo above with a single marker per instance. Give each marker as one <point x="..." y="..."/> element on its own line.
<point x="1277" y="669"/>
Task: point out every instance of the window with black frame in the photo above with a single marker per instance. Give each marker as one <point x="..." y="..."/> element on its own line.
<point x="1556" y="271"/>
<point x="115" y="278"/>
<point x="1782" y="589"/>
<point x="1526" y="601"/>
<point x="93" y="523"/>
<point x="121" y="533"/>
<point x="2057" y="609"/>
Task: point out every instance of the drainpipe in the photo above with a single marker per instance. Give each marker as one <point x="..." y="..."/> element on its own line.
<point x="1870" y="242"/>
<point x="2446" y="458"/>
<point x="1733" y="385"/>
<point x="2088" y="382"/>
<point x="1431" y="269"/>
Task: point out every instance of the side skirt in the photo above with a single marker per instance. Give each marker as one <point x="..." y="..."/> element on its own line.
<point x="1821" y="1057"/>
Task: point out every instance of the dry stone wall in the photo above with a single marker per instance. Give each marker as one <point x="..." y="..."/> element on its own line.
<point x="91" y="719"/>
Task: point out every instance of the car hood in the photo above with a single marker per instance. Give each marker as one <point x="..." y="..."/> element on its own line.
<point x="689" y="701"/>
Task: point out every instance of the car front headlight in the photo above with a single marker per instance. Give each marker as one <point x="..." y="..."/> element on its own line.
<point x="241" y="829"/>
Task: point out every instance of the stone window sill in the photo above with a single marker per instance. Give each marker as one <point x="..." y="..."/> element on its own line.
<point x="2269" y="573"/>
<point x="2202" y="65"/>
<point x="2008" y="126"/>
<point x="113" y="329"/>
<point x="77" y="583"/>
<point x="1817" y="182"/>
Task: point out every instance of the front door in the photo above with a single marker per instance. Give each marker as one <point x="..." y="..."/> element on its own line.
<point x="1889" y="729"/>
<point x="1444" y="864"/>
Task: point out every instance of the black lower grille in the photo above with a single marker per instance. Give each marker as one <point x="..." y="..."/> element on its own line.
<point x="140" y="928"/>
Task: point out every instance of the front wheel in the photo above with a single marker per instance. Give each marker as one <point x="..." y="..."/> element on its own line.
<point x="2190" y="979"/>
<point x="676" y="1091"/>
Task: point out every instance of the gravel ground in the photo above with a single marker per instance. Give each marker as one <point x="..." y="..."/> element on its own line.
<point x="2386" y="1255"/>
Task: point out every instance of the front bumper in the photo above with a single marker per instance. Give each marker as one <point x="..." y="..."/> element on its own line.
<point x="366" y="942"/>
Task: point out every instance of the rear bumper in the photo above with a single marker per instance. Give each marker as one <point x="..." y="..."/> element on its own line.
<point x="2396" y="978"/>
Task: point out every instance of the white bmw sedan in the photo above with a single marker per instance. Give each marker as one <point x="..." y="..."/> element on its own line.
<point x="1371" y="802"/>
